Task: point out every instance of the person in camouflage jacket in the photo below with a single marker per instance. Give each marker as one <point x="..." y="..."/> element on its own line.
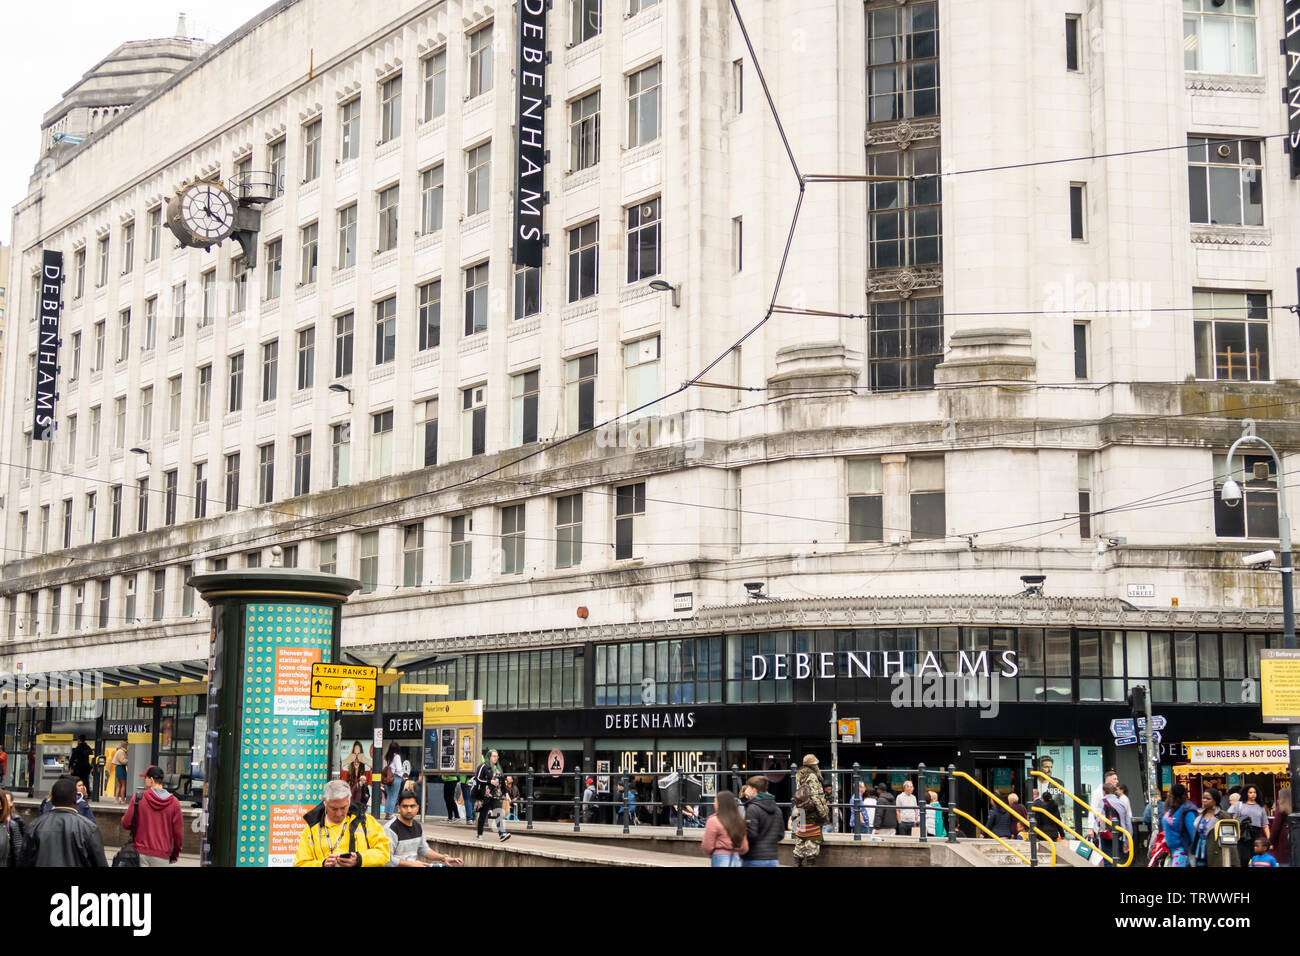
<point x="808" y="843"/>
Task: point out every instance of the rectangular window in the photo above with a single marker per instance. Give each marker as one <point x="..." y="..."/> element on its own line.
<point x="306" y="358"/>
<point x="523" y="411"/>
<point x="142" y="505"/>
<point x="636" y="6"/>
<point x="265" y="473"/>
<point x="584" y="132"/>
<point x="232" y="482"/>
<point x="289" y="557"/>
<point x="412" y="555"/>
<point x="584" y="251"/>
<point x="385" y="331"/>
<point x="430" y="315"/>
<point x="641" y="372"/>
<point x="99" y="346"/>
<point x="462" y="556"/>
<point x="381" y="444"/>
<point x="146" y="413"/>
<point x="1231" y="333"/>
<point x="56" y="609"/>
<point x="528" y="292"/>
<point x="368" y="561"/>
<point x="643" y="106"/>
<point x="584" y="20"/>
<point x="72" y="440"/>
<point x="473" y="428"/>
<point x="478" y="179"/>
<point x="1076" y="212"/>
<point x="568" y="531"/>
<point x="476" y="299"/>
<point x="580" y="393"/>
<point x="119" y="423"/>
<point x="1072" y="42"/>
<point x="738" y="85"/>
<point x="1081" y="350"/>
<point x="1225" y="181"/>
<point x="302" y="464"/>
<point x="512" y="539"/>
<point x="67" y="523"/>
<point x="1219" y="37"/>
<point x="350" y="130"/>
<point x="340" y="454"/>
<point x="200" y="489"/>
<point x="390" y="109"/>
<point x="311" y="151"/>
<point x="235" y="383"/>
<point x="738" y="244"/>
<point x="905" y="343"/>
<point x="275" y="156"/>
<point x="902" y="62"/>
<point x="1085" y="495"/>
<point x="1256" y="517"/>
<point x="644" y="240"/>
<point x="925" y="478"/>
<point x="169" y="497"/>
<point x="866" y="500"/>
<point x="387" y="205"/>
<point x="187" y="590"/>
<point x="178" y="310"/>
<point x="270" y="370"/>
<point x="426" y="434"/>
<point x="629" y="505"/>
<point x="128" y="248"/>
<point x="274" y="253"/>
<point x="347" y="238"/>
<point x="480" y="62"/>
<point x="307" y="237"/>
<point x="239" y="285"/>
<point x="159" y="594"/>
<point x="150" y="323"/>
<point x="208" y="287"/>
<point x="75" y="370"/>
<point x="435" y="85"/>
<point x="328" y="555"/>
<point x="123" y="335"/>
<point x="79" y="270"/>
<point x="78" y="606"/>
<point x="203" y="394"/>
<point x="105" y="589"/>
<point x="431" y="200"/>
<point x="904" y="218"/>
<point x="343" y="345"/>
<point x="102" y="278"/>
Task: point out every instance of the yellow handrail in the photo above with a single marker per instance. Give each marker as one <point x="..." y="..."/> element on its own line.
<point x="1060" y="786"/>
<point x="963" y="813"/>
<point x="998" y="800"/>
<point x="1066" y="827"/>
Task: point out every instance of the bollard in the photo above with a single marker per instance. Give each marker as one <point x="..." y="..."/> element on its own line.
<point x="857" y="814"/>
<point x="530" y="798"/>
<point x="735" y="780"/>
<point x="1033" y="847"/>
<point x="923" y="800"/>
<point x="627" y="791"/>
<point x="952" y="802"/>
<point x="577" y="798"/>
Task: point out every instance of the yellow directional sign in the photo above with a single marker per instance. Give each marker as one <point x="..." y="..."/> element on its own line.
<point x="423" y="689"/>
<point x="343" y="687"/>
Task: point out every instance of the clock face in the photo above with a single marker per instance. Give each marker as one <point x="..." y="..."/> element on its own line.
<point x="208" y="211"/>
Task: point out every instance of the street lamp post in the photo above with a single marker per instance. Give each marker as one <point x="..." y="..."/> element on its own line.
<point x="1231" y="495"/>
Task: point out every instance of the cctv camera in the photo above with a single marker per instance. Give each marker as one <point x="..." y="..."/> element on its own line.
<point x="1231" y="493"/>
<point x="1259" y="559"/>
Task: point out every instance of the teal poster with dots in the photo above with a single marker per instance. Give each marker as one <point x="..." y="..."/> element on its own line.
<point x="283" y="743"/>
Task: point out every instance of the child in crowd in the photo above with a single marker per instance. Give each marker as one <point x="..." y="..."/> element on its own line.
<point x="1262" y="857"/>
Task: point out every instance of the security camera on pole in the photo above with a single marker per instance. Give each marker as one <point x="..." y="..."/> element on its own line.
<point x="1231" y="496"/>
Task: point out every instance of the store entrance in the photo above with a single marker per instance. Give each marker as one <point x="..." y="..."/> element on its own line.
<point x="1006" y="773"/>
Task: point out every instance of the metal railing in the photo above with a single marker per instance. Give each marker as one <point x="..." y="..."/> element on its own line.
<point x="1102" y="819"/>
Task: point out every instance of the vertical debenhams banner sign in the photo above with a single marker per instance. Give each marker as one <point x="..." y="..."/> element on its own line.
<point x="47" y="344"/>
<point x="530" y="182"/>
<point x="1291" y="95"/>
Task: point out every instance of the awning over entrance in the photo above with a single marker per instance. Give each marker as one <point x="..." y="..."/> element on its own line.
<point x="1221" y="770"/>
<point x="171" y="679"/>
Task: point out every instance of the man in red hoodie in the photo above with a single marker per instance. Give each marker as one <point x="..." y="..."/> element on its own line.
<point x="155" y="821"/>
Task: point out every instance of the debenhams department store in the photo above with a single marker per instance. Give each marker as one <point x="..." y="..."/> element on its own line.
<point x="986" y="683"/>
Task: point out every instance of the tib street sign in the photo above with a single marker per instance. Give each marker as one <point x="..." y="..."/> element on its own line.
<point x="343" y="687"/>
<point x="1125" y="741"/>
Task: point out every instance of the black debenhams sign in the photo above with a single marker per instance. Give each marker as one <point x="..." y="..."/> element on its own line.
<point x="1291" y="94"/>
<point x="530" y="112"/>
<point x="50" y="304"/>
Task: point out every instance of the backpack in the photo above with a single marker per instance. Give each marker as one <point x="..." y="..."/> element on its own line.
<point x="129" y="856"/>
<point x="806" y="799"/>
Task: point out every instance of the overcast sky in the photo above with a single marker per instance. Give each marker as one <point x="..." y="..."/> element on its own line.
<point x="46" y="47"/>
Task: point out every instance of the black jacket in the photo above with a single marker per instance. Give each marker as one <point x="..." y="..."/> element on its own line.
<point x="999" y="821"/>
<point x="886" y="815"/>
<point x="63" y="837"/>
<point x="764" y="827"/>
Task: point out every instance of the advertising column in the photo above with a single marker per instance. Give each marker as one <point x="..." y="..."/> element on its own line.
<point x="267" y="752"/>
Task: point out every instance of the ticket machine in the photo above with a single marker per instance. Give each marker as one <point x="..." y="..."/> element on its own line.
<point x="53" y="758"/>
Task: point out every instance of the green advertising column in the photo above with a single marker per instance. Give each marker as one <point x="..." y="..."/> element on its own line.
<point x="267" y="753"/>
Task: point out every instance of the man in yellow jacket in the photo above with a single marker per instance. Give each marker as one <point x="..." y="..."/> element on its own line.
<point x="335" y="836"/>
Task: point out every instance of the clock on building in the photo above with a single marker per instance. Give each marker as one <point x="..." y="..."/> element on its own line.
<point x="202" y="214"/>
